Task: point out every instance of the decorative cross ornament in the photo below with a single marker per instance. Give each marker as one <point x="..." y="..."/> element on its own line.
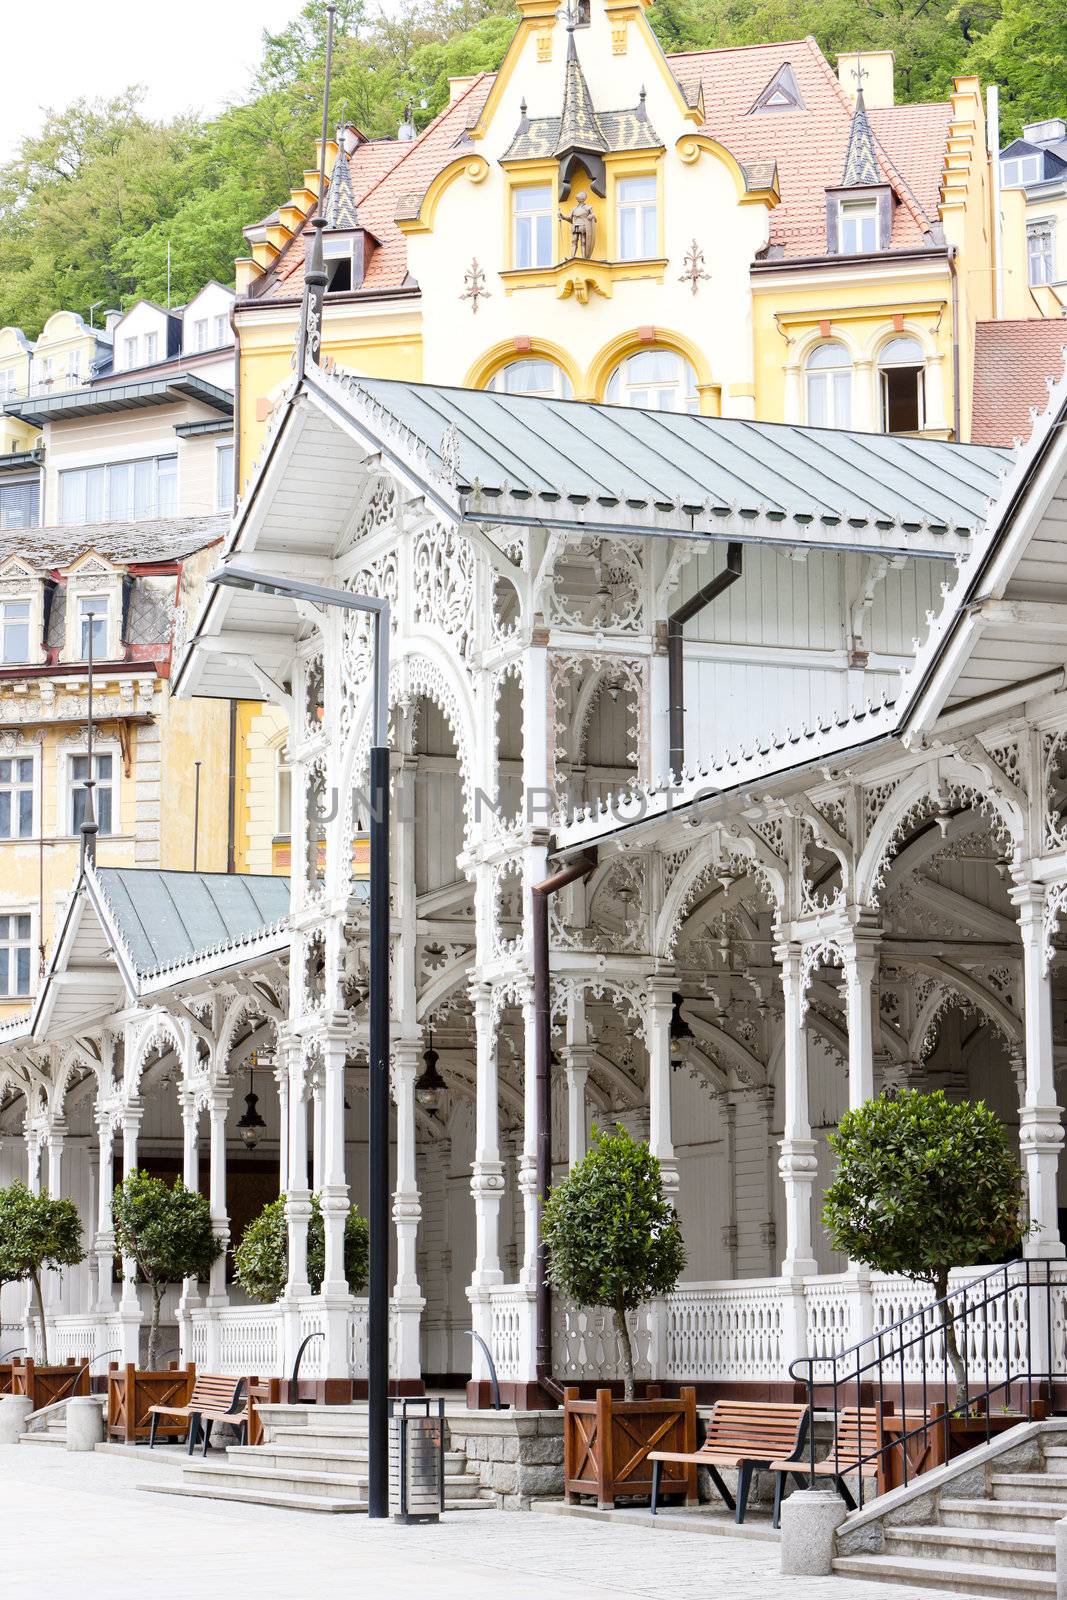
<point x="694" y="267"/>
<point x="474" y="278"/>
<point x="859" y="72"/>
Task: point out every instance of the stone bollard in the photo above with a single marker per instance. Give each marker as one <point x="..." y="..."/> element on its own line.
<point x="810" y="1519"/>
<point x="14" y="1409"/>
<point x="1061" y="1559"/>
<point x="85" y="1423"/>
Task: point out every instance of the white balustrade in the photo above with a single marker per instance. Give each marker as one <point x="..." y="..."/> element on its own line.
<point x="725" y="1330"/>
<point x="75" y="1338"/>
<point x="830" y="1306"/>
<point x="585" y="1343"/>
<point x="250" y="1341"/>
<point x="511" y="1331"/>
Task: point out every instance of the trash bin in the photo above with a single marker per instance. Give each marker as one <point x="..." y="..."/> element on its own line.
<point x="416" y="1459"/>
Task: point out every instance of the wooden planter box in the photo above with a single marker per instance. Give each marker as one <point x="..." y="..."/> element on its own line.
<point x="606" y="1444"/>
<point x="46" y="1385"/>
<point x="130" y="1393"/>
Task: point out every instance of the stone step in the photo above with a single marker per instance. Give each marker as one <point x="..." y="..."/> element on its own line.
<point x="320" y="1458"/>
<point x="290" y="1480"/>
<point x="251" y="1496"/>
<point x="1046" y="1486"/>
<point x="994" y="1547"/>
<point x="320" y="1438"/>
<point x="1033" y="1516"/>
<point x="43" y="1436"/>
<point x="953" y="1577"/>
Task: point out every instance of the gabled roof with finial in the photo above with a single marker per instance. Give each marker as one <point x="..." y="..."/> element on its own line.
<point x="861" y="157"/>
<point x="580" y="128"/>
<point x="340" y="201"/>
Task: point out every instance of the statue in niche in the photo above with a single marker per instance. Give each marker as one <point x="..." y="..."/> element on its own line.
<point x="582" y="221"/>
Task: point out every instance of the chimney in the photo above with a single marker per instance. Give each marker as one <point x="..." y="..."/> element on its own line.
<point x="110" y="319"/>
<point x="458" y="87"/>
<point x="877" y="69"/>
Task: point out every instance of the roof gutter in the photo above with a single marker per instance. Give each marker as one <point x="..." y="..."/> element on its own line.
<point x="675" y="623"/>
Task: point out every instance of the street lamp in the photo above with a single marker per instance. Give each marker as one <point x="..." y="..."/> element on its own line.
<point x="235" y="576"/>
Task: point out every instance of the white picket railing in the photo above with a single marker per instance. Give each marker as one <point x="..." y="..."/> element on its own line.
<point x="725" y="1330"/>
<point x="585" y="1343"/>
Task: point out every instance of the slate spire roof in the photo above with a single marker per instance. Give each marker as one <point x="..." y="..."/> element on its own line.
<point x="579" y="128"/>
<point x="861" y="160"/>
<point x="340" y="201"/>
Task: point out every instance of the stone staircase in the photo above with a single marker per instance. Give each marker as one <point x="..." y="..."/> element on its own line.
<point x="315" y="1460"/>
<point x="47" y="1427"/>
<point x="991" y="1534"/>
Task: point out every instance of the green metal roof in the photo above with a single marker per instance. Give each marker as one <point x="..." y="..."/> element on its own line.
<point x="168" y="918"/>
<point x="666" y="468"/>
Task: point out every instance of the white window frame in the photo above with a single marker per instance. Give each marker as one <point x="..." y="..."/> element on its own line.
<point x="16" y="786"/>
<point x="643" y="214"/>
<point x="22" y="483"/>
<point x="283" y="793"/>
<point x="11" y="945"/>
<point x="74" y="369"/>
<point x="16" y="600"/>
<point x="222" y="329"/>
<point x="827" y="379"/>
<point x="43" y="369"/>
<point x="83" y="603"/>
<point x="224" y="502"/>
<point x="153" y="514"/>
<point x="1044" y="229"/>
<point x="560" y="390"/>
<point x="625" y="387"/>
<point x="854" y="237"/>
<point x="131" y="352"/>
<point x="1013" y="171"/>
<point x="884" y="367"/>
<point x="533" y="245"/>
<point x="151" y="347"/>
<point x="106" y="747"/>
<point x="8" y="383"/>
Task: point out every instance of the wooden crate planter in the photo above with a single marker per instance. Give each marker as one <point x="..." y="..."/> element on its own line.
<point x="606" y="1444"/>
<point x="130" y="1393"/>
<point x="45" y="1385"/>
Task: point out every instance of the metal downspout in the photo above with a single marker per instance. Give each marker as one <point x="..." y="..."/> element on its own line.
<point x="581" y="868"/>
<point x="675" y="624"/>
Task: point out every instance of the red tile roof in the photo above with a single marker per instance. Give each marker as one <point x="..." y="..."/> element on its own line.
<point x="808" y="147"/>
<point x="1012" y="363"/>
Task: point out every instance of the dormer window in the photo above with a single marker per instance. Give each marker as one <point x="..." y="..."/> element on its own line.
<point x="338" y="258"/>
<point x="130" y="352"/>
<point x="1018" y="171"/>
<point x="92" y="622"/>
<point x="200" y="334"/>
<point x="151" y="345"/>
<point x="858" y="227"/>
<point x="14" y="631"/>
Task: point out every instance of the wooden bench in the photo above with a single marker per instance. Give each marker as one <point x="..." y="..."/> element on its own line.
<point x="745" y="1435"/>
<point x="212" y="1400"/>
<point x="858" y="1441"/>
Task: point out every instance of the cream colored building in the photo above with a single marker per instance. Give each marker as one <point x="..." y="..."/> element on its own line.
<point x="1033" y="176"/>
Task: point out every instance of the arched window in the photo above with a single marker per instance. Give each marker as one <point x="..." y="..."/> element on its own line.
<point x="901" y="367"/>
<point x="654" y="380"/>
<point x="535" y="376"/>
<point x="828" y="375"/>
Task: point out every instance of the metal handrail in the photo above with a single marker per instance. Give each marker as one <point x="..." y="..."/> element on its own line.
<point x="318" y="1334"/>
<point x="493" y="1379"/>
<point x="16" y="1350"/>
<point x="88" y="1364"/>
<point x="879" y="1360"/>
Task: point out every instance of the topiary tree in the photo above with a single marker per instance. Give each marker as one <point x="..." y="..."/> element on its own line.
<point x="261" y="1260"/>
<point x="36" y="1232"/>
<point x="168" y="1233"/>
<point x="613" y="1240"/>
<point x="924" y="1184"/>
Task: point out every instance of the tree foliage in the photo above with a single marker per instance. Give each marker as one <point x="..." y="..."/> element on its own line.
<point x="168" y="1232"/>
<point x="37" y="1232"/>
<point x="613" y="1240"/>
<point x="924" y="1184"/>
<point x="261" y="1260"/>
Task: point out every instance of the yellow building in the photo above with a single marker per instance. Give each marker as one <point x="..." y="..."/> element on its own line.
<point x="135" y="489"/>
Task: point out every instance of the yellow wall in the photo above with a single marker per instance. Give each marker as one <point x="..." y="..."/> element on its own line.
<point x="261" y="731"/>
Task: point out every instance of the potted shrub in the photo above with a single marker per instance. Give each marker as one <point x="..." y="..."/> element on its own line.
<point x="36" y="1232"/>
<point x="924" y="1184"/>
<point x="613" y="1240"/>
<point x="261" y="1260"/>
<point x="168" y="1233"/>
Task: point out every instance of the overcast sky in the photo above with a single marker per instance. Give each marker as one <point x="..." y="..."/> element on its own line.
<point x="192" y="55"/>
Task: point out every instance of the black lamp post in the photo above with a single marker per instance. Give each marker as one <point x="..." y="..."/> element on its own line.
<point x="236" y="576"/>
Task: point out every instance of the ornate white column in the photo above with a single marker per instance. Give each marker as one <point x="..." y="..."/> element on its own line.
<point x="797" y="1165"/>
<point x="1040" y="1124"/>
<point x="281" y="1083"/>
<point x="190" y="1295"/>
<point x="658" y="1011"/>
<point x="130" y="1303"/>
<point x="218" y="1106"/>
<point x="487" y="1177"/>
<point x="104" y="1244"/>
<point x="408" y="1299"/>
<point x="56" y="1141"/>
<point x="33" y="1160"/>
<point x="334" y="1200"/>
<point x="318" y="1134"/>
<point x="297" y="1194"/>
<point x="576" y="1057"/>
<point x="860" y="955"/>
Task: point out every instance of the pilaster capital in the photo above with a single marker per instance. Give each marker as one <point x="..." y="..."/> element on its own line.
<point x="1029" y="898"/>
<point x="132" y="1116"/>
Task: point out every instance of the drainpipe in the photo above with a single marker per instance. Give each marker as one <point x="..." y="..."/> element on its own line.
<point x="675" y="623"/>
<point x="581" y="868"/>
<point x="956" y="403"/>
